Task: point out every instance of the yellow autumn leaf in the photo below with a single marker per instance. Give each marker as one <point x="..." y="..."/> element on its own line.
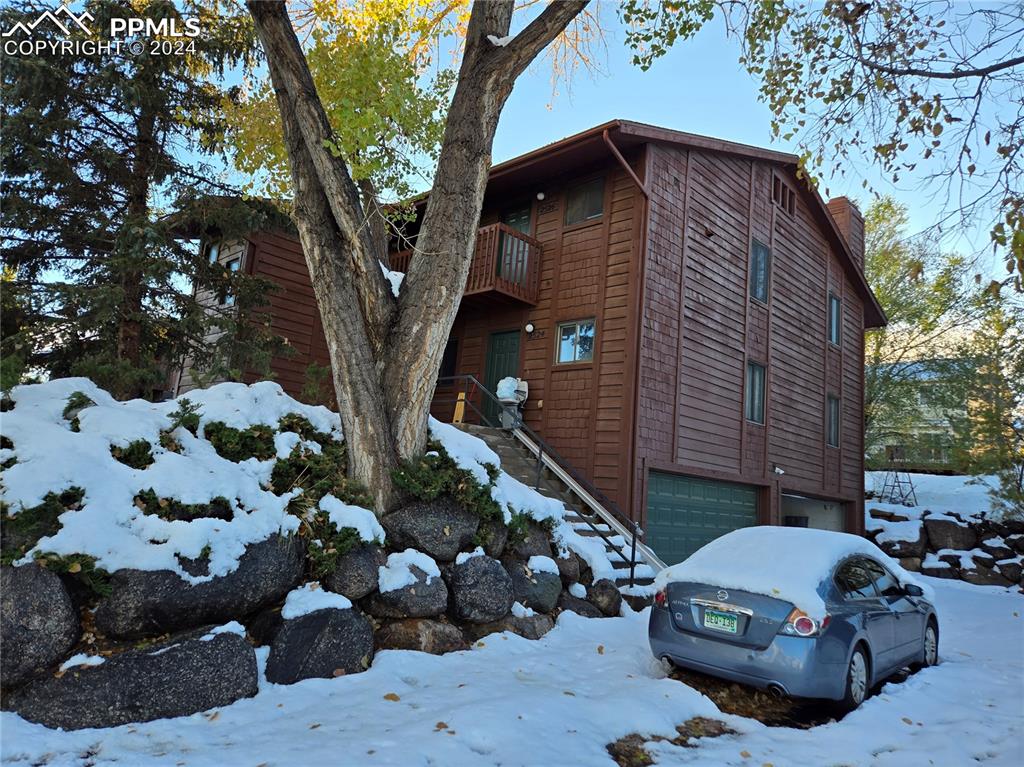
<point x="392" y="697"/>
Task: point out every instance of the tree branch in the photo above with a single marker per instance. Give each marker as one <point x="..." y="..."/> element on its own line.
<point x="540" y="32"/>
<point x="292" y="75"/>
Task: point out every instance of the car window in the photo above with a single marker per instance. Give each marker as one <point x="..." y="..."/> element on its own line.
<point x="855" y="581"/>
<point x="886" y="584"/>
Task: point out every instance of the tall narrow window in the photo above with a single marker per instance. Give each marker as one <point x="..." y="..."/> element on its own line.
<point x="212" y="251"/>
<point x="584" y="202"/>
<point x="753" y="395"/>
<point x="576" y="341"/>
<point x="232" y="266"/>
<point x="760" y="265"/>
<point x="835" y="319"/>
<point x="832" y="421"/>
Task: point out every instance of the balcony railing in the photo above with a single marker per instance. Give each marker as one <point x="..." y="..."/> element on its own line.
<point x="505" y="261"/>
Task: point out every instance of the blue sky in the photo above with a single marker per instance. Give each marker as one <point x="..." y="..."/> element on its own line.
<point x="698" y="87"/>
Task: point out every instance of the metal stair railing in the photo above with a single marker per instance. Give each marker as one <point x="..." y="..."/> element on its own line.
<point x="545" y="456"/>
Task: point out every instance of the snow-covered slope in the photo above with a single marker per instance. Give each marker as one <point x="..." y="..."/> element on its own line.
<point x="63" y="433"/>
<point x="967" y="496"/>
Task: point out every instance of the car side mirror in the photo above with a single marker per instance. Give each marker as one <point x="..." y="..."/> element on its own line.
<point x="912" y="590"/>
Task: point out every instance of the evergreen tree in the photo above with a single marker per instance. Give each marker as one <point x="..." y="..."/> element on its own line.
<point x="97" y="150"/>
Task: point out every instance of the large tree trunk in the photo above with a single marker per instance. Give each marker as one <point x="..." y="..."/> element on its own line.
<point x="385" y="353"/>
<point x="129" y="330"/>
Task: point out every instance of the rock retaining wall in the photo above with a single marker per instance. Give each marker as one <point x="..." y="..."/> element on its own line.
<point x="971" y="548"/>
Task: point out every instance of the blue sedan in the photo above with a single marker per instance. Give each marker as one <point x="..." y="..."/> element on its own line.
<point x="739" y="611"/>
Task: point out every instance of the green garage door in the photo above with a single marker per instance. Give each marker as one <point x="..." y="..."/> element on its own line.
<point x="684" y="513"/>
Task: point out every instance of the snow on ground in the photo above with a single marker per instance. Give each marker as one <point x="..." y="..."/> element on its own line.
<point x="559" y="700"/>
<point x="967" y="496"/>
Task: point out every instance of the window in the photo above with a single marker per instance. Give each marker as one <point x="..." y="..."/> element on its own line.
<point x="760" y="264"/>
<point x="855" y="581"/>
<point x="232" y="266"/>
<point x="212" y="251"/>
<point x="584" y="202"/>
<point x="448" y="360"/>
<point x="753" y="395"/>
<point x="832" y="421"/>
<point x="885" y="584"/>
<point x="576" y="341"/>
<point x="835" y="319"/>
<point x="783" y="195"/>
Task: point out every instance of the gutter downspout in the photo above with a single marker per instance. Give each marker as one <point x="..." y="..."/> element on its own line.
<point x="642" y="273"/>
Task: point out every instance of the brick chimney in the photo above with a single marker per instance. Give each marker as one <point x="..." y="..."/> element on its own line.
<point x="851" y="223"/>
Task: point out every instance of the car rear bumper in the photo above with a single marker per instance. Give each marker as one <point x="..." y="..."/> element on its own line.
<point x="792" y="664"/>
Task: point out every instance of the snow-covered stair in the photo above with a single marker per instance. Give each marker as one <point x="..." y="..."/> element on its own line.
<point x="518" y="462"/>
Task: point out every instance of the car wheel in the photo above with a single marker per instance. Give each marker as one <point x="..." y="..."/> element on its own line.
<point x="929" y="648"/>
<point x="931" y="645"/>
<point x="856" y="680"/>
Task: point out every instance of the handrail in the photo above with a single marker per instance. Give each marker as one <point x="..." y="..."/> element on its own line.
<point x="592" y="497"/>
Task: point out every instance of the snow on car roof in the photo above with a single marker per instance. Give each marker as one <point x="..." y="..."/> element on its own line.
<point x="787" y="563"/>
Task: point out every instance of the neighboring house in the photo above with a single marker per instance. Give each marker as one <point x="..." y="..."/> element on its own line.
<point x="918" y="435"/>
<point x="688" y="314"/>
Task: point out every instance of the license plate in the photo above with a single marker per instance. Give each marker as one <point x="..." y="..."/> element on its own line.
<point x="713" y="619"/>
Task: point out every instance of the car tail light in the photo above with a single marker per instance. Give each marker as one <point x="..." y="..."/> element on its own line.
<point x="661" y="598"/>
<point x="801" y="624"/>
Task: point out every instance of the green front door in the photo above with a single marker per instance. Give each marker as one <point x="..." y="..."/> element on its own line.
<point x="502" y="361"/>
<point x="684" y="513"/>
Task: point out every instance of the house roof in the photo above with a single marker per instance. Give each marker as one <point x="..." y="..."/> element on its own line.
<point x="582" y="148"/>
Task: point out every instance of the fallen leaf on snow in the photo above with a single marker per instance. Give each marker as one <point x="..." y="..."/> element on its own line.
<point x="600" y="649"/>
<point x="391" y="696"/>
<point x="906" y="720"/>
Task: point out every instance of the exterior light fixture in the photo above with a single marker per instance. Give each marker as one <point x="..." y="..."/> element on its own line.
<point x="540" y="195"/>
<point x="529" y="327"/>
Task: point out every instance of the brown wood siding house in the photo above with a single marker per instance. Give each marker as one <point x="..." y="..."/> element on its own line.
<point x="717" y="392"/>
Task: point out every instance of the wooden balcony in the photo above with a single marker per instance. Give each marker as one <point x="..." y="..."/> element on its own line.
<point x="506" y="265"/>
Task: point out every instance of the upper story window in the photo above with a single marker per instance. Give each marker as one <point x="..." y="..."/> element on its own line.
<point x="753" y="393"/>
<point x="212" y="248"/>
<point x="232" y="266"/>
<point x="585" y="202"/>
<point x="783" y="195"/>
<point x="835" y="319"/>
<point x="576" y="341"/>
<point x="760" y="268"/>
<point x="832" y="413"/>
